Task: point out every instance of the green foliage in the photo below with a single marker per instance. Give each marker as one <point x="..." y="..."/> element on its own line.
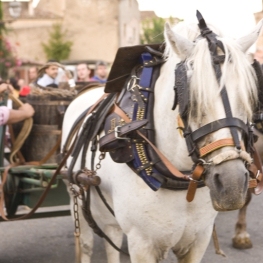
<point x="57" y="47"/>
<point x="153" y="29"/>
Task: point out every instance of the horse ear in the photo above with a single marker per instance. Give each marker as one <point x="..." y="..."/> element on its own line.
<point x="181" y="46"/>
<point x="247" y="41"/>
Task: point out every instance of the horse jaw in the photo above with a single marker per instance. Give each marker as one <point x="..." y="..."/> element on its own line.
<point x="227" y="189"/>
<point x="247" y="41"/>
<point x="181" y="46"/>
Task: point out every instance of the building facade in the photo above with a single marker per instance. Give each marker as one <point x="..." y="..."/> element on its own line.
<point x="97" y="28"/>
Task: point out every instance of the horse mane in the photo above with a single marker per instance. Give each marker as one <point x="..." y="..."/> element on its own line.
<point x="203" y="80"/>
<point x="203" y="83"/>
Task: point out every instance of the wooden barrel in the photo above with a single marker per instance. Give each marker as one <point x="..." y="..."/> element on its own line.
<point x="50" y="106"/>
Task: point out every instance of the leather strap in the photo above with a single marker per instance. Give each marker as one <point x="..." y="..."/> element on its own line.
<point x="196" y="175"/>
<point x="217" y="125"/>
<point x="79" y="122"/>
<point x="252" y="183"/>
<point x="216" y="243"/>
<point x="166" y="162"/>
<point x="122" y="131"/>
<point x="216" y="145"/>
<point x="257" y="161"/>
<point x="2" y="199"/>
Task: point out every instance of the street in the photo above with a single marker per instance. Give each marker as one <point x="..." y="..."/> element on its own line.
<point x="50" y="240"/>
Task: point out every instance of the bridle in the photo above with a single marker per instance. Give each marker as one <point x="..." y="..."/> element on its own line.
<point x="234" y="124"/>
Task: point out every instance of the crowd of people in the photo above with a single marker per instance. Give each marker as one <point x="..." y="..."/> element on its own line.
<point x="52" y="76"/>
<point x="46" y="77"/>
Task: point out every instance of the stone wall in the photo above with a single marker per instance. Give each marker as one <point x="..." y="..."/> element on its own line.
<point x="129" y="23"/>
<point x="93" y="26"/>
<point x="96" y="27"/>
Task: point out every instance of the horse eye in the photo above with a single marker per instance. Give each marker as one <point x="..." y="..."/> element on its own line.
<point x="192" y="64"/>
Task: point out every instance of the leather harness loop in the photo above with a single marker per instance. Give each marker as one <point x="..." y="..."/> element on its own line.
<point x="197" y="173"/>
<point x="120" y="132"/>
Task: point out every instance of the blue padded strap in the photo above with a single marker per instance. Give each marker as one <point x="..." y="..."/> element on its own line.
<point x="146" y="76"/>
<point x="145" y="82"/>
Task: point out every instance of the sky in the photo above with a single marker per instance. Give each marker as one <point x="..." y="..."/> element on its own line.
<point x="233" y="17"/>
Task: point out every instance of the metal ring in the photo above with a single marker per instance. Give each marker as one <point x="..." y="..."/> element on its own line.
<point x="132" y="81"/>
<point x="191" y="179"/>
<point x="204" y="162"/>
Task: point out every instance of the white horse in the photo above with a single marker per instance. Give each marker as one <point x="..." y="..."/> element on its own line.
<point x="156" y="222"/>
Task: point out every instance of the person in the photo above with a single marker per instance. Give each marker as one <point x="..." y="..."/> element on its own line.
<point x="50" y="74"/>
<point x="9" y="116"/>
<point x="100" y="72"/>
<point x="32" y="74"/>
<point x="67" y="80"/>
<point x="21" y="83"/>
<point x="83" y="72"/>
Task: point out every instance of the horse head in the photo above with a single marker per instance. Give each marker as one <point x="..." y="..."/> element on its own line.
<point x="215" y="95"/>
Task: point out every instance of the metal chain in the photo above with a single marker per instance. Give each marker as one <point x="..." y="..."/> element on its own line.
<point x="79" y="194"/>
<point x="101" y="157"/>
<point x="76" y="194"/>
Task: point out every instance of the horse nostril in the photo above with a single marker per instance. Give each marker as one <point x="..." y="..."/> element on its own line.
<point x="218" y="182"/>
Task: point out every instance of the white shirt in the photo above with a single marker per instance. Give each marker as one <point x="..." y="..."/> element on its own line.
<point x="46" y="80"/>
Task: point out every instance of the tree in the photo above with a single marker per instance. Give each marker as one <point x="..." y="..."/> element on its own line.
<point x="57" y="47"/>
<point x="153" y="29"/>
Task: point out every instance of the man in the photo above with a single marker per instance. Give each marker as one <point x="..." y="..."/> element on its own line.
<point x="100" y="72"/>
<point x="83" y="72"/>
<point x="32" y="74"/>
<point x="50" y="74"/>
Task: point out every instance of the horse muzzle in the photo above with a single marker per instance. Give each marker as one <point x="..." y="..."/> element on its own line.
<point x="228" y="184"/>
